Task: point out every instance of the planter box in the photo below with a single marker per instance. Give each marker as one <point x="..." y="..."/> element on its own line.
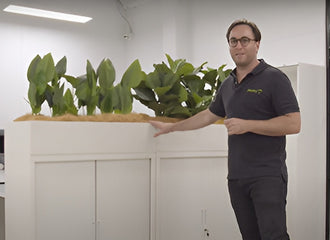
<point x="92" y="180"/>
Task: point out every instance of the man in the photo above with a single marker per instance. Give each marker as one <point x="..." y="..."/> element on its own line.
<point x="260" y="108"/>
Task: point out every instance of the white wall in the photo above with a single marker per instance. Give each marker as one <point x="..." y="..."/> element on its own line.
<point x="23" y="37"/>
<point x="292" y="30"/>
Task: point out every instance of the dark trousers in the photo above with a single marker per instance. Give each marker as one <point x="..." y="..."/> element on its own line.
<point x="259" y="205"/>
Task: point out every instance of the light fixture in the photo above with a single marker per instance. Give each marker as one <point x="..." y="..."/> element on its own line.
<point x="46" y="14"/>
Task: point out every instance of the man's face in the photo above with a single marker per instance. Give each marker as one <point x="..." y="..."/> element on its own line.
<point x="243" y="55"/>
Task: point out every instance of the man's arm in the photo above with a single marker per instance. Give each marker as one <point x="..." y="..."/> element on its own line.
<point x="279" y="126"/>
<point x="199" y="120"/>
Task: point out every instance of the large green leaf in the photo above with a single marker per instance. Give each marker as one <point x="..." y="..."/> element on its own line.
<point x="106" y="73"/>
<point x="178" y="112"/>
<point x="44" y="73"/>
<point x="170" y="62"/>
<point x="180" y="66"/>
<point x="158" y="108"/>
<point x="46" y="67"/>
<point x="32" y="68"/>
<point x="193" y="83"/>
<point x="122" y="99"/>
<point x="170" y="98"/>
<point x="74" y="81"/>
<point x="153" y="80"/>
<point x="223" y="74"/>
<point x="199" y="69"/>
<point x="40" y="82"/>
<point x="91" y="76"/>
<point x="184" y="69"/>
<point x="161" y="77"/>
<point x="161" y="91"/>
<point x="197" y="99"/>
<point x="91" y="106"/>
<point x="58" y="101"/>
<point x="61" y="67"/>
<point x="49" y="96"/>
<point x="35" y="99"/>
<point x="106" y="104"/>
<point x="144" y="92"/>
<point x="32" y="95"/>
<point x="210" y="77"/>
<point x="180" y="92"/>
<point x="69" y="103"/>
<point x="86" y="90"/>
<point x="133" y="75"/>
<point x="83" y="91"/>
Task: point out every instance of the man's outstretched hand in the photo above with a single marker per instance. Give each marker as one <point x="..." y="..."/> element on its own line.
<point x="162" y="127"/>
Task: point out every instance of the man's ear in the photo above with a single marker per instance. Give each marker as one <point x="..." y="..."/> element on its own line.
<point x="258" y="45"/>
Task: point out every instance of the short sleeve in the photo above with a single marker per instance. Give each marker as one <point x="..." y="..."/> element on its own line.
<point x="283" y="96"/>
<point x="217" y="106"/>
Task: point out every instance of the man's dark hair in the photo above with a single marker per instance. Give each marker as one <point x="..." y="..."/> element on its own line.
<point x="253" y="26"/>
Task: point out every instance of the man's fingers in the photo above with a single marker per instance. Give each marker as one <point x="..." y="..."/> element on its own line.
<point x="155" y="124"/>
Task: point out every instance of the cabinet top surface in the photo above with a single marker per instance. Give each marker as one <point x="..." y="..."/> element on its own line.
<point x="45" y="137"/>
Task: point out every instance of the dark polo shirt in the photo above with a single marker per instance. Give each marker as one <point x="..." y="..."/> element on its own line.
<point x="263" y="94"/>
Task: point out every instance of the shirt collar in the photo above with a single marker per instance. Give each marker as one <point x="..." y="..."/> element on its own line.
<point x="259" y="68"/>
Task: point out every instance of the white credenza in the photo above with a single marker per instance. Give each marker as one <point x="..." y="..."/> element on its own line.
<point x="89" y="180"/>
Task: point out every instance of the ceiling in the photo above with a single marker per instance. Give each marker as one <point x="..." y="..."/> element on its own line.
<point x="77" y="6"/>
<point x="97" y="9"/>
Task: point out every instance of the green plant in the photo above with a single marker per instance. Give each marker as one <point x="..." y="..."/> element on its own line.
<point x="123" y="99"/>
<point x="96" y="89"/>
<point x="91" y="90"/>
<point x="86" y="89"/>
<point x="44" y="78"/>
<point x="179" y="89"/>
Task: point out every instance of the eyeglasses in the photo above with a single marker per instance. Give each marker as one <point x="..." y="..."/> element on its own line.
<point x="243" y="40"/>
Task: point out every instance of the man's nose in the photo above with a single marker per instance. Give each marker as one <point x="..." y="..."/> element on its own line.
<point x="239" y="44"/>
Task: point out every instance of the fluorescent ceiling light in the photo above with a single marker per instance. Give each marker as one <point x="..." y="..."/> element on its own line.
<point x="46" y="14"/>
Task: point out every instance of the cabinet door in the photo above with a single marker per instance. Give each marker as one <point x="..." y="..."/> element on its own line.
<point x="65" y="200"/>
<point x="193" y="200"/>
<point x="123" y="199"/>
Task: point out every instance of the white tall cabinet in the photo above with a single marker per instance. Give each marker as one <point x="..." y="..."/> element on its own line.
<point x="88" y="180"/>
<point x="307" y="154"/>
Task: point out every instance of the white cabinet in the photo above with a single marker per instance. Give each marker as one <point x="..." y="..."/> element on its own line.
<point x="307" y="154"/>
<point x="123" y="199"/>
<point x="78" y="181"/>
<point x="93" y="199"/>
<point x="65" y="200"/>
<point x="193" y="199"/>
<point x="87" y="180"/>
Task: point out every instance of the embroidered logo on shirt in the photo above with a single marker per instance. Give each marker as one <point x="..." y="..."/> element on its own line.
<point x="256" y="91"/>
